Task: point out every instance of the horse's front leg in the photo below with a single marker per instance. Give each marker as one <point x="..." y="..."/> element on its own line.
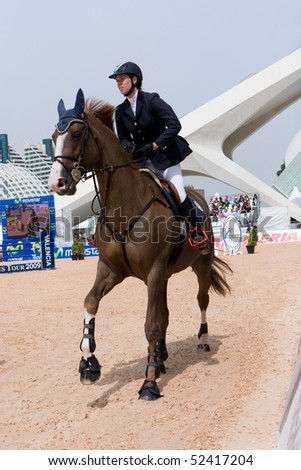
<point x="89" y="367"/>
<point x="155" y="331"/>
<point x="161" y="349"/>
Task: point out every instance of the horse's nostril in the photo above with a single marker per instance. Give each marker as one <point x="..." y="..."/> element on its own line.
<point x="61" y="183"/>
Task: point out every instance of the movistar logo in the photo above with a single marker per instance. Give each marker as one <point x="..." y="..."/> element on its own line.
<point x="59" y="252"/>
<point x="36" y="248"/>
<point x="13" y="250"/>
<point x="31" y="199"/>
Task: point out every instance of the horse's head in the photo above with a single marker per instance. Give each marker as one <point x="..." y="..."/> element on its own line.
<point x="72" y="141"/>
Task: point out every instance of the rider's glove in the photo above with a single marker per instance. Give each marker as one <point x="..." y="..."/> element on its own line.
<point x="147" y="149"/>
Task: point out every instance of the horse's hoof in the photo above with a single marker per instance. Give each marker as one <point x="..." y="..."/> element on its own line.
<point x="89" y="377"/>
<point x="162" y="368"/>
<point x="206" y="347"/>
<point x="89" y="370"/>
<point x="149" y="391"/>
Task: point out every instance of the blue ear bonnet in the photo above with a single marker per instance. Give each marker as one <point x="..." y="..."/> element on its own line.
<point x="68" y="116"/>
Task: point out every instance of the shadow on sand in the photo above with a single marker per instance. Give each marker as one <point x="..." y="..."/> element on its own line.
<point x="182" y="354"/>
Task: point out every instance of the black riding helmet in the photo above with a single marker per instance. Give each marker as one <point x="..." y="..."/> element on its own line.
<point x="131" y="69"/>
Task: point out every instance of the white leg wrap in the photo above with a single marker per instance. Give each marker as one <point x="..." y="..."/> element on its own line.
<point x="85" y="345"/>
<point x="204" y="336"/>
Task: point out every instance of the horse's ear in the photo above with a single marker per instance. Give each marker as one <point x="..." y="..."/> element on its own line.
<point x="80" y="102"/>
<point x="61" y="108"/>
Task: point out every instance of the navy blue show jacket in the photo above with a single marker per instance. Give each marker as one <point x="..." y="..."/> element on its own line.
<point x="155" y="121"/>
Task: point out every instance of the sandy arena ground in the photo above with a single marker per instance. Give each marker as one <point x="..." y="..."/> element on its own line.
<point x="230" y="398"/>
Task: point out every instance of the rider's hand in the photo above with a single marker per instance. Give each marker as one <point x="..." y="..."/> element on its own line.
<point x="147" y="149"/>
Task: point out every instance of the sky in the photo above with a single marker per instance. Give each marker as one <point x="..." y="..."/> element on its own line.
<point x="190" y="51"/>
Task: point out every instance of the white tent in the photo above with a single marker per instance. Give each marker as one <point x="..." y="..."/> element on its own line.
<point x="85" y="224"/>
<point x="274" y="218"/>
<point x="85" y="228"/>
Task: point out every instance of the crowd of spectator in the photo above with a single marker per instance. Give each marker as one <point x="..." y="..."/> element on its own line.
<point x="241" y="206"/>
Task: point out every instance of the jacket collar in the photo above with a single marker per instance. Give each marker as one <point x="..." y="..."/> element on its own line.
<point x="139" y="105"/>
<point x="140" y="102"/>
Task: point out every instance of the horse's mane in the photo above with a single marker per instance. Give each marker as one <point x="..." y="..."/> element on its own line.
<point x="103" y="111"/>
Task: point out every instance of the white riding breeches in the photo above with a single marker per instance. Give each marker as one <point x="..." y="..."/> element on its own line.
<point x="173" y="174"/>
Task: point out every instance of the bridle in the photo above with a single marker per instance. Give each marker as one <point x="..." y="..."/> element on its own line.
<point x="79" y="172"/>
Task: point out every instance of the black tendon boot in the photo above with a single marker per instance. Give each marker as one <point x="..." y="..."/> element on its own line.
<point x="197" y="237"/>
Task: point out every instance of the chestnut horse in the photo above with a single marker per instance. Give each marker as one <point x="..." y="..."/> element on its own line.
<point x="137" y="232"/>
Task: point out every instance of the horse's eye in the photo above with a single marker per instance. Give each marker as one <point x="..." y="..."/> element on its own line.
<point x="77" y="134"/>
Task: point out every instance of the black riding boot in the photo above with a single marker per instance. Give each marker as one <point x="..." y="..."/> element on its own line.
<point x="197" y="236"/>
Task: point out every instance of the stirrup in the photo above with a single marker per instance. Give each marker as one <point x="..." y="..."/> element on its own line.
<point x="193" y="238"/>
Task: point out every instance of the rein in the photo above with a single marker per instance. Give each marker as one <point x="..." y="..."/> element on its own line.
<point x="79" y="172"/>
<point x="76" y="173"/>
<point x="120" y="236"/>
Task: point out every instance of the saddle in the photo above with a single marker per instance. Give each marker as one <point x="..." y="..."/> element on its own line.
<point x="171" y="194"/>
<point x="168" y="190"/>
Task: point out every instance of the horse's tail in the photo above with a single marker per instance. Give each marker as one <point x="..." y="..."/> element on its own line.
<point x="219" y="269"/>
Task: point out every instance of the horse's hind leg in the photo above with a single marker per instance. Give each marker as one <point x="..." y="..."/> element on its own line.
<point x="89" y="367"/>
<point x="155" y="331"/>
<point x="204" y="282"/>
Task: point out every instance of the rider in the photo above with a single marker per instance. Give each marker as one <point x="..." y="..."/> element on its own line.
<point x="146" y="125"/>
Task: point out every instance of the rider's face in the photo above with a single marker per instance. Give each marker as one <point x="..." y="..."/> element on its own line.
<point x="124" y="83"/>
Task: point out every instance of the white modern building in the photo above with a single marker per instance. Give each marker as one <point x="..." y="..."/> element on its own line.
<point x="215" y="129"/>
<point x="38" y="162"/>
<point x="15" y="158"/>
<point x="289" y="181"/>
<point x="18" y="182"/>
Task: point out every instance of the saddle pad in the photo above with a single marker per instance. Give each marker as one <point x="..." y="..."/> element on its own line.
<point x="166" y="185"/>
<point x="171" y="194"/>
